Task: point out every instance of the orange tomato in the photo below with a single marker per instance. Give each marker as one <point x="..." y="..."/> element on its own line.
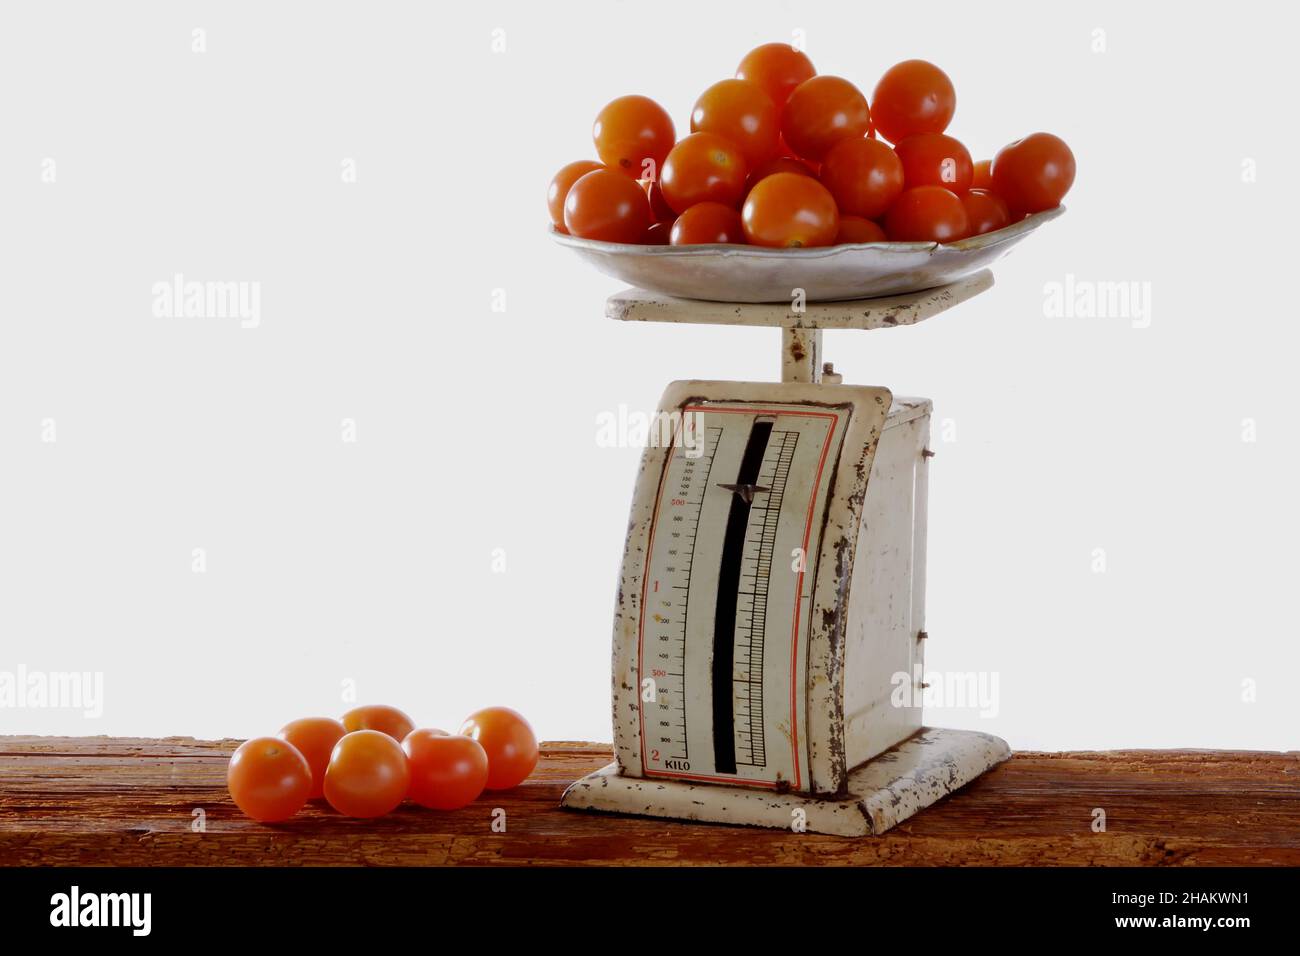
<point x="789" y="210"/>
<point x="314" y="738"/>
<point x="864" y="175"/>
<point x="560" y="185"/>
<point x="1033" y="174"/>
<point x="981" y="177"/>
<point x="821" y="112"/>
<point x="367" y="774"/>
<point x="707" y="222"/>
<point x="781" y="164"/>
<point x="985" y="211"/>
<point x="855" y="229"/>
<point x="607" y="206"/>
<point x="703" y="167"/>
<point x="633" y="135"/>
<point x="742" y="112"/>
<point x="935" y="159"/>
<point x="446" y="772"/>
<point x="509" y="742"/>
<point x="912" y="97"/>
<point x="381" y="717"/>
<point x="660" y="211"/>
<point x="927" y="214"/>
<point x="776" y="67"/>
<point x="268" y="779"/>
<point x="659" y="234"/>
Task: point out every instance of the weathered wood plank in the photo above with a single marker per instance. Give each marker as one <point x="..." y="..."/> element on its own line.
<point x="131" y="801"/>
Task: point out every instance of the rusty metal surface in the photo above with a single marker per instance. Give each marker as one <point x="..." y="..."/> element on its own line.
<point x="737" y="273"/>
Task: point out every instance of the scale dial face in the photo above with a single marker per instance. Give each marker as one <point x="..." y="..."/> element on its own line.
<point x="726" y="591"/>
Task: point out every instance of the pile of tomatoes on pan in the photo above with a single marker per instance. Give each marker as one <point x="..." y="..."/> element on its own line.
<point x="784" y="157"/>
<point x="374" y="758"/>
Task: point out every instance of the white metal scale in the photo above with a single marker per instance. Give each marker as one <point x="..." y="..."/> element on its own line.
<point x="773" y="590"/>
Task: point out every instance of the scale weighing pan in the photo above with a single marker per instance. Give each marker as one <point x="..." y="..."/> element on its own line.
<point x="737" y="273"/>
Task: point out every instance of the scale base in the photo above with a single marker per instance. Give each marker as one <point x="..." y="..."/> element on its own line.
<point x="882" y="793"/>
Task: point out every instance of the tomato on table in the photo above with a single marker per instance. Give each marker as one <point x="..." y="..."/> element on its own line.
<point x="706" y="223"/>
<point x="560" y="185"/>
<point x="1033" y="174"/>
<point x="607" y="206"/>
<point x="314" y="738"/>
<point x="778" y="68"/>
<point x="927" y="214"/>
<point x="742" y="112"/>
<point x="985" y="211"/>
<point x="864" y="175"/>
<point x="367" y="774"/>
<point x="855" y="229"/>
<point x="381" y="717"/>
<point x="787" y="210"/>
<point x="268" y="779"/>
<point x="447" y="772"/>
<point x="935" y="159"/>
<point x="703" y="167"/>
<point x="912" y="97"/>
<point x="821" y="112"/>
<point x="508" y="741"/>
<point x="633" y="135"/>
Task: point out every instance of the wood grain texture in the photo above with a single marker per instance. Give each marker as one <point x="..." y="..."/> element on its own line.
<point x="130" y="801"/>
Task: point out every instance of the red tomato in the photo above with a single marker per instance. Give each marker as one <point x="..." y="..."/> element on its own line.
<point x="781" y="164"/>
<point x="381" y="717"/>
<point x="789" y="210"/>
<point x="705" y="223"/>
<point x="633" y="135"/>
<point x="985" y="211"/>
<point x="703" y="167"/>
<point x="778" y="68"/>
<point x="660" y="211"/>
<point x="560" y="185"/>
<point x="982" y="178"/>
<point x="912" y="97"/>
<point x="314" y="738"/>
<point x="509" y="742"/>
<point x="927" y="214"/>
<point x="855" y="229"/>
<point x="367" y="774"/>
<point x="821" y="112"/>
<point x="864" y="175"/>
<point x="935" y="159"/>
<point x="1033" y="174"/>
<point x="658" y="234"/>
<point x="268" y="779"/>
<point x="446" y="772"/>
<point x="742" y="112"/>
<point x="607" y="206"/>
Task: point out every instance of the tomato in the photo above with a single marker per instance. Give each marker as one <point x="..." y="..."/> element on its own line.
<point x="985" y="211"/>
<point x="560" y="186"/>
<point x="381" y="717"/>
<point x="912" y="97"/>
<point x="781" y="164"/>
<point x="314" y="738"/>
<point x="703" y="167"/>
<point x="821" y="112"/>
<point x="660" y="211"/>
<point x="742" y="112"/>
<point x="981" y="178"/>
<point x="607" y="206"/>
<point x="633" y="135"/>
<point x="789" y="210"/>
<point x="935" y="159"/>
<point x="446" y="772"/>
<point x="367" y="774"/>
<point x="864" y="175"/>
<point x="268" y="779"/>
<point x="856" y="229"/>
<point x="927" y="214"/>
<point x="509" y="742"/>
<point x="1033" y="174"/>
<point x="778" y="68"/>
<point x="659" y="234"/>
<point x="707" y="222"/>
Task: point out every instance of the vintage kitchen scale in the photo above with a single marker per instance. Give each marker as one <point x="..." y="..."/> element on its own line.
<point x="773" y="581"/>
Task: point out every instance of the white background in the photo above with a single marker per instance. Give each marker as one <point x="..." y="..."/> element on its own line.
<point x="371" y="562"/>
